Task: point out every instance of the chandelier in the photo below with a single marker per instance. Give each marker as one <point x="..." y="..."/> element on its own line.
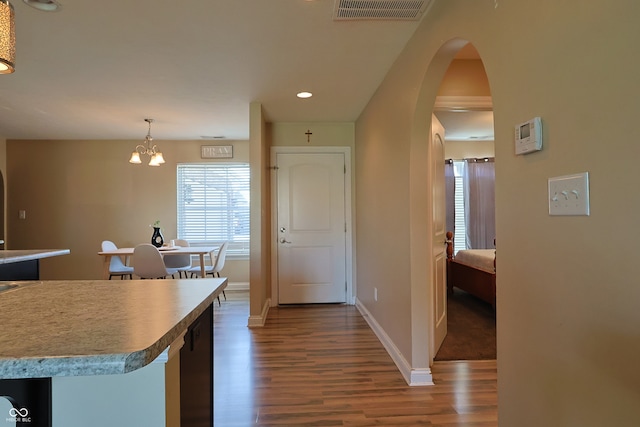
<point x="7" y="38"/>
<point x="147" y="148"/>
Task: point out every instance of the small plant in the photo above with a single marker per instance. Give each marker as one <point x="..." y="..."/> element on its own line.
<point x="156" y="224"/>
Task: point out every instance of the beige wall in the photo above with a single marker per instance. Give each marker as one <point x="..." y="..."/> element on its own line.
<point x="465" y="77"/>
<point x="260" y="271"/>
<point x="322" y="134"/>
<point x="78" y="193"/>
<point x="567" y="286"/>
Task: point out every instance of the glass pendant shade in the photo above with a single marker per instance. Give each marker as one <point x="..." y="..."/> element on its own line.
<point x="135" y="158"/>
<point x="44" y="5"/>
<point x="7" y="38"/>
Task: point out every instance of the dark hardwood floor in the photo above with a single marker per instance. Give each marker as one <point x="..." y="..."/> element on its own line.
<point x="323" y="366"/>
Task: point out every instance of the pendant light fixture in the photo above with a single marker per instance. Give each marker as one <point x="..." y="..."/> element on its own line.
<point x="7" y="38"/>
<point x="147" y="148"/>
<point x="44" y="5"/>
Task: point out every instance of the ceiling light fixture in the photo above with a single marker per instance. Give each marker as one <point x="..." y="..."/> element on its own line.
<point x="304" y="95"/>
<point x="7" y="38"/>
<point x="44" y="5"/>
<point x="147" y="148"/>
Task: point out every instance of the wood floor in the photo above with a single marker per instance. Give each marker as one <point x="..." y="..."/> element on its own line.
<point x="323" y="366"/>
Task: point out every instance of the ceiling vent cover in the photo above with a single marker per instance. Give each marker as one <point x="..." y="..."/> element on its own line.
<point x="407" y="10"/>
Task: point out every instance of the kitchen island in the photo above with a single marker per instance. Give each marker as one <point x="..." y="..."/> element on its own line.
<point x="104" y="353"/>
<point x="24" y="264"/>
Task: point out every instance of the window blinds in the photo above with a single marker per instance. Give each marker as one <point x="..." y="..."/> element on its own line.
<point x="213" y="205"/>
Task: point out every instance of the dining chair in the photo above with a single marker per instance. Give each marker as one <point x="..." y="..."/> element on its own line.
<point x="217" y="264"/>
<point x="148" y="263"/>
<point x="116" y="266"/>
<point x="180" y="262"/>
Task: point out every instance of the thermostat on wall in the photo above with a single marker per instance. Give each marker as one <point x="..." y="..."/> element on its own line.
<point x="529" y="136"/>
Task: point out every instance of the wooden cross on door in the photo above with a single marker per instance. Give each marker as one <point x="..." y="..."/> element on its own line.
<point x="308" y="133"/>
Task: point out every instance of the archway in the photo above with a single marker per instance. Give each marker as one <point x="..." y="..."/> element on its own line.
<point x="464" y="107"/>
<point x="421" y="242"/>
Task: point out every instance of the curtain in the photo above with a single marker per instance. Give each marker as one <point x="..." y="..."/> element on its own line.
<point x="479" y="179"/>
<point x="450" y="189"/>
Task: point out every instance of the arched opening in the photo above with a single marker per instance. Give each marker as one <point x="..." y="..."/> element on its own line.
<point x="424" y="246"/>
<point x="464" y="108"/>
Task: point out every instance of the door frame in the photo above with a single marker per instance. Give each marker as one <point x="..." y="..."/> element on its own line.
<point x="348" y="205"/>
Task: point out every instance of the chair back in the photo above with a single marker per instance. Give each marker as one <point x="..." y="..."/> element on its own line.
<point x="108" y="245"/>
<point x="178" y="261"/>
<point x="220" y="258"/>
<point x="148" y="262"/>
<point x="116" y="263"/>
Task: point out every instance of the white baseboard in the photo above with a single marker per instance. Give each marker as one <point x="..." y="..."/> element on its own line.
<point x="413" y="377"/>
<point x="259" y="321"/>
<point x="237" y="286"/>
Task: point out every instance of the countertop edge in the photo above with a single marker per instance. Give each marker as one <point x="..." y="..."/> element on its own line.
<point x="104" y="364"/>
<point x="139" y="359"/>
<point x="9" y="256"/>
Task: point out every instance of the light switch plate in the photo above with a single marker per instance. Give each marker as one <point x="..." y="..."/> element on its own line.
<point x="569" y="194"/>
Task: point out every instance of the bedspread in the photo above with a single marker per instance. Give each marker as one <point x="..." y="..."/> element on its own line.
<point x="482" y="259"/>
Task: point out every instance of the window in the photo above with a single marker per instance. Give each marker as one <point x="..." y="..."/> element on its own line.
<point x="460" y="236"/>
<point x="213" y="205"/>
<point x="470" y="202"/>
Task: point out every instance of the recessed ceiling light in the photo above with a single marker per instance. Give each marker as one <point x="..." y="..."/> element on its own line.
<point x="44" y="5"/>
<point x="304" y="95"/>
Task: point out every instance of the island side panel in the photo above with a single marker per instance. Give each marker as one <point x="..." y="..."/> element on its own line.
<point x="138" y="398"/>
<point x="196" y="373"/>
<point x="23" y="270"/>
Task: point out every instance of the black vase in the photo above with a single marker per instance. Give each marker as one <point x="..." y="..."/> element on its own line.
<point x="156" y="239"/>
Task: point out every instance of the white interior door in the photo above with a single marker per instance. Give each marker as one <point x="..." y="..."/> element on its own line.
<point x="439" y="261"/>
<point x="311" y="228"/>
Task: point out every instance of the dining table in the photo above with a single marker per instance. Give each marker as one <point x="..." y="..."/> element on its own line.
<point x="201" y="251"/>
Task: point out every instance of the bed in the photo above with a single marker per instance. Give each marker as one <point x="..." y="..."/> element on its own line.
<point x="473" y="271"/>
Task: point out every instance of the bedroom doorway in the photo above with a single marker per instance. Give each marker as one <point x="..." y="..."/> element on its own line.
<point x="464" y="107"/>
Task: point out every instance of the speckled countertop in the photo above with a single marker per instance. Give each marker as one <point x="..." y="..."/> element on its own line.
<point x="16" y="255"/>
<point x="95" y="327"/>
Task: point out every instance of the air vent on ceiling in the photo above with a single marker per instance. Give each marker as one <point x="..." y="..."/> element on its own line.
<point x="408" y="10"/>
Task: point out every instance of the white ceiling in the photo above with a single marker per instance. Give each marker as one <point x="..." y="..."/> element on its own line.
<point x="467" y="125"/>
<point x="97" y="69"/>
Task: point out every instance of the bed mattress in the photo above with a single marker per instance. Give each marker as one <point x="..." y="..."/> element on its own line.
<point x="482" y="259"/>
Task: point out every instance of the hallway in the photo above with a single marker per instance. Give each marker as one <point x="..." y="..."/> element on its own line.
<point x="323" y="366"/>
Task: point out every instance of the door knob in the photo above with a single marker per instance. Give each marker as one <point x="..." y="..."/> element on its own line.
<point x="283" y="240"/>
